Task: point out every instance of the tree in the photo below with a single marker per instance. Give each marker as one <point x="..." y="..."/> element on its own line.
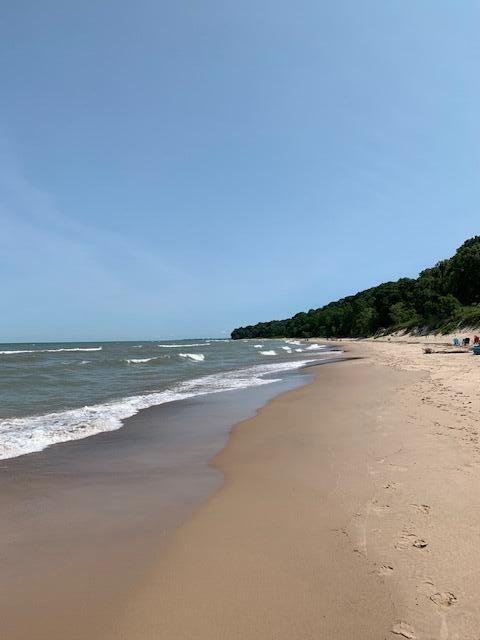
<point x="435" y="298"/>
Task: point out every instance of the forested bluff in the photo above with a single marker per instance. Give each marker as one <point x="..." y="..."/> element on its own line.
<point x="443" y="298"/>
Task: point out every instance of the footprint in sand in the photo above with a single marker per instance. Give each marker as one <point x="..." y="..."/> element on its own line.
<point x="403" y="629"/>
<point x="444" y="599"/>
<point x="378" y="508"/>
<point x="423" y="508"/>
<point x="391" y="485"/>
<point x="404" y="542"/>
<point x="384" y="570"/>
<point x="420" y="543"/>
<point x="408" y="540"/>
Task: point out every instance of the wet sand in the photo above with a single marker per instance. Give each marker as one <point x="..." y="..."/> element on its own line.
<point x="81" y="523"/>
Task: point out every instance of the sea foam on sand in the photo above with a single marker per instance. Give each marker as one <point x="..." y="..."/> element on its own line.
<point x="19" y="436"/>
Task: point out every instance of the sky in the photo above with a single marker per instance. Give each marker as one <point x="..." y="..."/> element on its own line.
<point x="176" y="169"/>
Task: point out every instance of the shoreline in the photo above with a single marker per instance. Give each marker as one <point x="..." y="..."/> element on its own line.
<point x="255" y="559"/>
<point x="346" y="512"/>
<point x="342" y="508"/>
<point x="82" y="520"/>
<point x="88" y="417"/>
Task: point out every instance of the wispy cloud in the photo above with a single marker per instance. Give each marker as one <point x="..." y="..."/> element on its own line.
<point x="47" y="257"/>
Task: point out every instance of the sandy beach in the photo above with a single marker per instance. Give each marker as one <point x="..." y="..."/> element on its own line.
<point x="348" y="509"/>
<point x="239" y="383"/>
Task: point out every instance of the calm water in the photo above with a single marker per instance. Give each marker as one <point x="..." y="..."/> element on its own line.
<point x="55" y="392"/>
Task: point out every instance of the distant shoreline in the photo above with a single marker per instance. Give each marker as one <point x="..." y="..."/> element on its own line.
<point x="444" y="298"/>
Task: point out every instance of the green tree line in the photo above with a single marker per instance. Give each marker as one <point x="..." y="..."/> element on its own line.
<point x="441" y="299"/>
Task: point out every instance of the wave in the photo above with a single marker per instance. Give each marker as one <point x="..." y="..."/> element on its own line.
<point x="268" y="353"/>
<point x="295" y="342"/>
<point x="177" y="346"/>
<point x="258" y="346"/>
<point x="299" y="350"/>
<point x="287" y="349"/>
<point x="5" y="353"/>
<point x="315" y="347"/>
<point x="198" y="357"/>
<point x="20" y="436"/>
<point x="138" y="360"/>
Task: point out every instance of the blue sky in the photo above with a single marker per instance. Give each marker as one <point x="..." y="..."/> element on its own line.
<point x="182" y="168"/>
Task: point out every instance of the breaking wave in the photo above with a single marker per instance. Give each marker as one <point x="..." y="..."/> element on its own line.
<point x="19" y="436"/>
<point x="197" y="357"/>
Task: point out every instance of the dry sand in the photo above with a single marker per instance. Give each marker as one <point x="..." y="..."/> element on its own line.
<point x="350" y="510"/>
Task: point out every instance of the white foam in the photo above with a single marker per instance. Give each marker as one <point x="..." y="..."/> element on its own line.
<point x="268" y="353"/>
<point x="299" y="350"/>
<point x="314" y="347"/>
<point x="258" y="346"/>
<point x="198" y="357"/>
<point x="19" y="436"/>
<point x="5" y="353"/>
<point x="287" y="349"/>
<point x="138" y="360"/>
<point x="179" y="346"/>
<point x="296" y="342"/>
<point x="8" y="353"/>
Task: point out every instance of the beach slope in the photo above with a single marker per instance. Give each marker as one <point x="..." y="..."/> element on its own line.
<point x="298" y="543"/>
